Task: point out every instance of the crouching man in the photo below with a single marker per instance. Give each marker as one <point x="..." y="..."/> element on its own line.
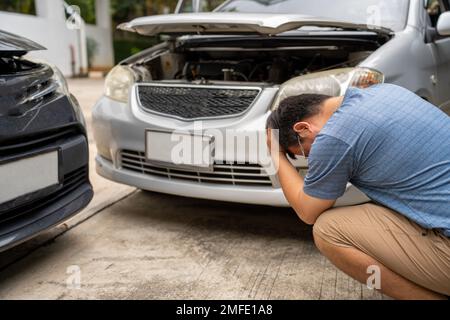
<point x="393" y="146"/>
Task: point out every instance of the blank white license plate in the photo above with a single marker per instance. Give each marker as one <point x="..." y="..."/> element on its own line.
<point x="28" y="175"/>
<point x="180" y="149"/>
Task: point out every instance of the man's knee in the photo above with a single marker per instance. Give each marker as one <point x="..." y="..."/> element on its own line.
<point x="322" y="229"/>
<point x="328" y="230"/>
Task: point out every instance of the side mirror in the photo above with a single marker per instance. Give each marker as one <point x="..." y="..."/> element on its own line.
<point x="443" y="24"/>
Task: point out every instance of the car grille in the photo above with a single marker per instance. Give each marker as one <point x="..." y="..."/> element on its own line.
<point x="189" y="103"/>
<point x="71" y="181"/>
<point x="227" y="174"/>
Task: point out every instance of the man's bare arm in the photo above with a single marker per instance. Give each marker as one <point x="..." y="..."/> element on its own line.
<point x="307" y="208"/>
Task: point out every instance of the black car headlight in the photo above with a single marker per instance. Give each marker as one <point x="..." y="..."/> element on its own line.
<point x="60" y="81"/>
<point x="62" y="88"/>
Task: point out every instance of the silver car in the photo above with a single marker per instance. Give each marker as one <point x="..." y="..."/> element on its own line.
<point x="218" y="75"/>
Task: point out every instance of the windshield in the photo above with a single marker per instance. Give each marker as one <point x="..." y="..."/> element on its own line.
<point x="391" y="14"/>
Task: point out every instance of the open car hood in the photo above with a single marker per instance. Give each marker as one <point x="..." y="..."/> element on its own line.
<point x="235" y="23"/>
<point x="11" y="44"/>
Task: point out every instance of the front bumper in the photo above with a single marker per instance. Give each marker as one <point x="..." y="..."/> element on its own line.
<point x="240" y="194"/>
<point x="267" y="196"/>
<point x="53" y="214"/>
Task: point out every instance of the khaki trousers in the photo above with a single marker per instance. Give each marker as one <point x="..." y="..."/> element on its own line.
<point x="419" y="255"/>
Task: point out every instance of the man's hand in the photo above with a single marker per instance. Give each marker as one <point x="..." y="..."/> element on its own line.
<point x="272" y="143"/>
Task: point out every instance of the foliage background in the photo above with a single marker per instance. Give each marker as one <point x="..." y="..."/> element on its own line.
<point x="21" y="6"/>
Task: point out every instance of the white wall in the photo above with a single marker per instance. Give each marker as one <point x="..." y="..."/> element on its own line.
<point x="48" y="28"/>
<point x="102" y="33"/>
<point x="50" y="33"/>
<point x="104" y="57"/>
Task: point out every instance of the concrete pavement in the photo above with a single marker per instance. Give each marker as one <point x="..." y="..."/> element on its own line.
<point x="131" y="244"/>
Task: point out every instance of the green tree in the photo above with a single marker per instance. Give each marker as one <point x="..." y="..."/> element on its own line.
<point x="127" y="10"/>
<point x="20" y="6"/>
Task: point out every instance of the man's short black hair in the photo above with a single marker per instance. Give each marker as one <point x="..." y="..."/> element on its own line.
<point x="292" y="110"/>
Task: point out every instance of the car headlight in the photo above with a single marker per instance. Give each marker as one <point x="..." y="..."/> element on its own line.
<point x="59" y="83"/>
<point x="333" y="83"/>
<point x="118" y="83"/>
<point x="59" y="79"/>
<point x="62" y="87"/>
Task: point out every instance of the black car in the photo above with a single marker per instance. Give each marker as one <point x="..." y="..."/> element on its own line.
<point x="43" y="146"/>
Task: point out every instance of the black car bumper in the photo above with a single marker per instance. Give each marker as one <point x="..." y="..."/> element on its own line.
<point x="56" y="127"/>
<point x="54" y="213"/>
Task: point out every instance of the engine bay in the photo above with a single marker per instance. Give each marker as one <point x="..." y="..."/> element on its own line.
<point x="265" y="61"/>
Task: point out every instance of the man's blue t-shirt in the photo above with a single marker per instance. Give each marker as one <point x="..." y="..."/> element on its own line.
<point x="392" y="145"/>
